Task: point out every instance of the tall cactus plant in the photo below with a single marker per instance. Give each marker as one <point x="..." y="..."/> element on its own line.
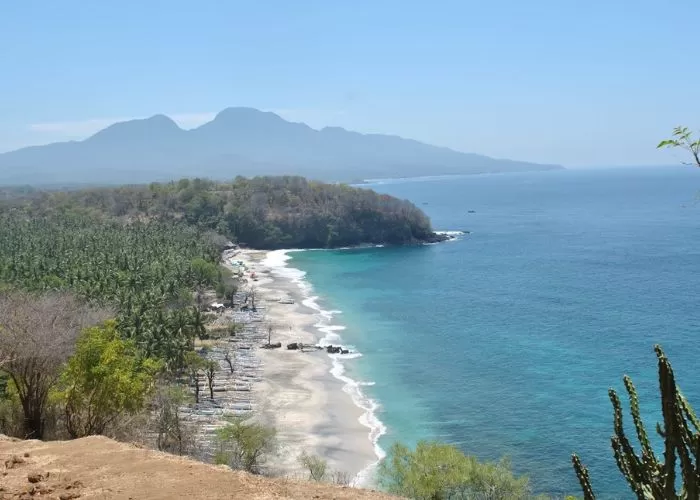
<point x="648" y="476"/>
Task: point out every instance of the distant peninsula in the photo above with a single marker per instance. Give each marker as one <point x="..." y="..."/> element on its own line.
<point x="238" y="141"/>
<point x="263" y="212"/>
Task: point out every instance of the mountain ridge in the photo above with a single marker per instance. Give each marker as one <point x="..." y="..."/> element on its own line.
<point x="239" y="141"/>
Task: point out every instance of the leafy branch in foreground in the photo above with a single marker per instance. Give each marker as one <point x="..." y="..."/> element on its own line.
<point x="649" y="477"/>
<point x="683" y="138"/>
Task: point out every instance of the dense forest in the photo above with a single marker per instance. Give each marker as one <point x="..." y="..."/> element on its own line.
<point x="263" y="212"/>
<point x="144" y="271"/>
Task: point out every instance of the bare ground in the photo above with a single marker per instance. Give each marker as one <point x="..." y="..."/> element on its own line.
<point x="98" y="467"/>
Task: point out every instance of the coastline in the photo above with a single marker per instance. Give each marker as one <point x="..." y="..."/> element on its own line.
<point x="306" y="396"/>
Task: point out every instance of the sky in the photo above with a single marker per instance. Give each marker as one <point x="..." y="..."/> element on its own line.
<point x="578" y="83"/>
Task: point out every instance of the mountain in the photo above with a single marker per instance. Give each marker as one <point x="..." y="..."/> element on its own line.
<point x="238" y="141"/>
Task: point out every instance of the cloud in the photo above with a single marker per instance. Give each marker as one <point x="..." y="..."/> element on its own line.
<point x="82" y="128"/>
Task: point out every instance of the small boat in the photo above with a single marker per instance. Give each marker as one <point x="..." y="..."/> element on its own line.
<point x="286" y="300"/>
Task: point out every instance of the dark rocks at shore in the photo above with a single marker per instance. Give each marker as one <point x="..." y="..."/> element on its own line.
<point x="273" y="346"/>
<point x="440" y="237"/>
<point x="336" y="350"/>
<point x="437" y="238"/>
<point x="330" y="349"/>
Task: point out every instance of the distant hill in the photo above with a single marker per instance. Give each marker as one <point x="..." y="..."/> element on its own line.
<point x="238" y="141"/>
<point x="262" y="212"/>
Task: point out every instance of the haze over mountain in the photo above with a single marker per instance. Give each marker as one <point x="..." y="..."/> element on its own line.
<point x="238" y="141"/>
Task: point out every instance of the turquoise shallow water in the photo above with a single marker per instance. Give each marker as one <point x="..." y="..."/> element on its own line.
<point x="505" y="342"/>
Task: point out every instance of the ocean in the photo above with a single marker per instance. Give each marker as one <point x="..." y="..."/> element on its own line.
<point x="505" y="341"/>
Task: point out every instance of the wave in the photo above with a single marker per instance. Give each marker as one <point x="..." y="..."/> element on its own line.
<point x="451" y="236"/>
<point x="277" y="261"/>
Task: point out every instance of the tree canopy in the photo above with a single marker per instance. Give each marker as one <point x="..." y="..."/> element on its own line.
<point x="104" y="379"/>
<point x="263" y="212"/>
<point x="145" y="270"/>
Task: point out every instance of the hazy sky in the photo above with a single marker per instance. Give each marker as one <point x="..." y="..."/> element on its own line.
<point x="587" y="82"/>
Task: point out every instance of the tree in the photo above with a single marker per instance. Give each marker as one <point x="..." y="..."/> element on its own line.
<point x="252" y="293"/>
<point x="435" y="471"/>
<point x="38" y="334"/>
<point x="194" y="363"/>
<point x="229" y="360"/>
<point x="245" y="446"/>
<point x="683" y="138"/>
<point x="210" y="369"/>
<point x="270" y="331"/>
<point x="317" y="466"/>
<point x="105" y="379"/>
<point x="205" y="274"/>
<point x="648" y="476"/>
<point x="230" y="290"/>
<point x="173" y="435"/>
<point x="197" y="324"/>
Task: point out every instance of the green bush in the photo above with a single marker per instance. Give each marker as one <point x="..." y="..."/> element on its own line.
<point x="435" y="471"/>
<point x="245" y="446"/>
<point x="315" y="465"/>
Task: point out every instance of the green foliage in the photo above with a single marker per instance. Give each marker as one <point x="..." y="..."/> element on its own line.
<point x="204" y="273"/>
<point x="194" y="364"/>
<point x="315" y="465"/>
<point x="263" y="212"/>
<point x="145" y="270"/>
<point x="245" y="446"/>
<point x="210" y="369"/>
<point x="683" y="138"/>
<point x="173" y="435"/>
<point x="435" y="471"/>
<point x="11" y="415"/>
<point x="105" y="379"/>
<point x="650" y="477"/>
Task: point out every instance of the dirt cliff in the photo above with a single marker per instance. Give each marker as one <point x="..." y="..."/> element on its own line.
<point x="98" y="467"/>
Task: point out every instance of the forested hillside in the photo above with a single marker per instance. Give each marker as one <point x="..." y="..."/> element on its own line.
<point x="144" y="271"/>
<point x="263" y="212"/>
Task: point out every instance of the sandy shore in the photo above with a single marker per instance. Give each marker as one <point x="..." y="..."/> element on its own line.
<point x="298" y="394"/>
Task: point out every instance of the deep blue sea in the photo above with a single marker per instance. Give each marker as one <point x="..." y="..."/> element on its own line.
<point x="506" y="341"/>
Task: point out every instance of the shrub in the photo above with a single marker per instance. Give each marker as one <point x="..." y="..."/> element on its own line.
<point x="315" y="465"/>
<point x="435" y="471"/>
<point x="245" y="446"/>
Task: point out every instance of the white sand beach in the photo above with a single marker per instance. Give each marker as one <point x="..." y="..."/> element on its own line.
<point x="298" y="395"/>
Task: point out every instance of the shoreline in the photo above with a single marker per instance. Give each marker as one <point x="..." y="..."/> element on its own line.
<point x="306" y="396"/>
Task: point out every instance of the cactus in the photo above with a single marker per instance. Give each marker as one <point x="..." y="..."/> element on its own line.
<point x="647" y="476"/>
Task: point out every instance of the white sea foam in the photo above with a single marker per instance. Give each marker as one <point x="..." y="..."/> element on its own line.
<point x="277" y="261"/>
<point x="451" y="236"/>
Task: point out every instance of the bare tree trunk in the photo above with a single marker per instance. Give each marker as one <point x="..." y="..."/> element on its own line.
<point x="229" y="361"/>
<point x="33" y="423"/>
